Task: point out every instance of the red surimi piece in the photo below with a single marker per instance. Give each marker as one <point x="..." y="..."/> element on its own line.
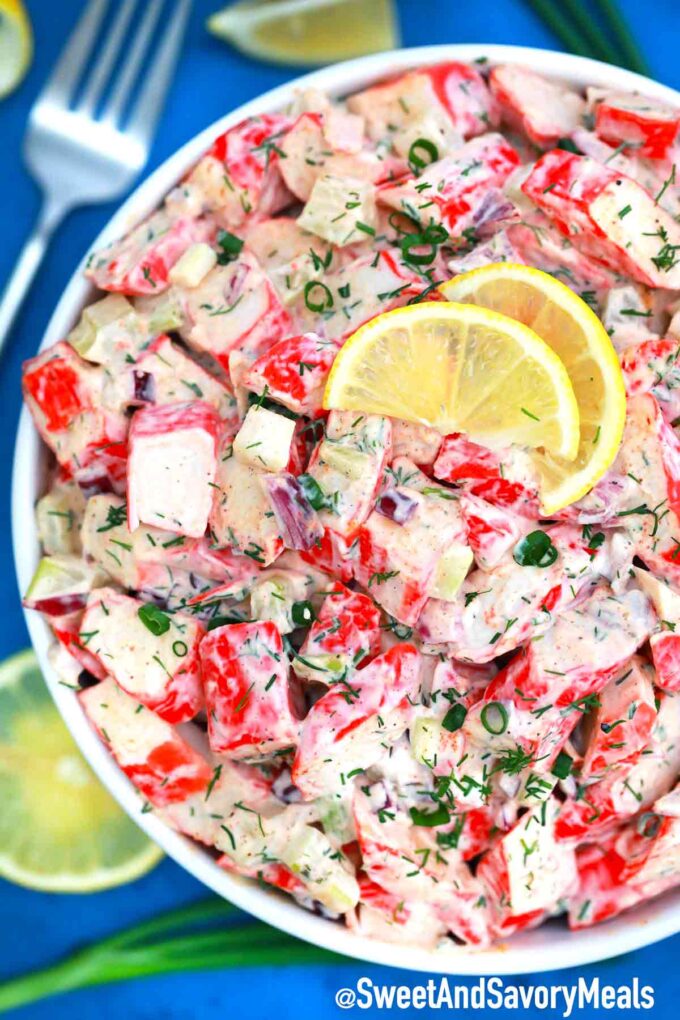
<point x="245" y="673"/>
<point x="173" y="460"/>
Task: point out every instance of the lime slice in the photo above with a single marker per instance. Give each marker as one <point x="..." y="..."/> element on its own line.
<point x="16" y="44"/>
<point x="60" y="831"/>
<point x="307" y="31"/>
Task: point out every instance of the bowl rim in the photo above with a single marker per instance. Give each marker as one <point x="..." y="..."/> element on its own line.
<point x="550" y="947"/>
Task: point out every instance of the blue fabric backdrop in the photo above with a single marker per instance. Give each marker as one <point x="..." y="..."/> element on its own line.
<point x="212" y="79"/>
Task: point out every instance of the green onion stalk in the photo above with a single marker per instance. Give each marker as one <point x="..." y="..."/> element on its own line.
<point x="181" y="940"/>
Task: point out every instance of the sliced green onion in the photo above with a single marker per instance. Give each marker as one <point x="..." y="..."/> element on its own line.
<point x="565" y="30"/>
<point x="326" y="300"/>
<point x="154" y="619"/>
<point x="450" y="840"/>
<point x="395" y="220"/>
<point x="454" y="718"/>
<point x="434" y="235"/>
<point x="568" y="145"/>
<point x="535" y="550"/>
<point x="417" y="162"/>
<point x="494" y="718"/>
<point x="562" y="766"/>
<point x="314" y="494"/>
<point x="231" y="246"/>
<point x="180" y="648"/>
<point x="417" y="241"/>
<point x="302" y="613"/>
<point x="440" y="816"/>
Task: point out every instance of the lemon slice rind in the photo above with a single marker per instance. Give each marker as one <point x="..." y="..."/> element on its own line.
<point x="574" y="331"/>
<point x="16" y="45"/>
<point x="305" y="32"/>
<point x="458" y="368"/>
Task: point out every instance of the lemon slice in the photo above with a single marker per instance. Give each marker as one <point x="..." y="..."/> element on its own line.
<point x="16" y="44"/>
<point x="577" y="336"/>
<point x="458" y="368"/>
<point x="60" y="831"/>
<point x="307" y="31"/>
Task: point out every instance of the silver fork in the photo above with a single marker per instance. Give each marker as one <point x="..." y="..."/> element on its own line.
<point x="86" y="140"/>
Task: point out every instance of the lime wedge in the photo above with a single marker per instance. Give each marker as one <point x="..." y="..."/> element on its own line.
<point x="307" y="31"/>
<point x="60" y="831"/>
<point x="16" y="44"/>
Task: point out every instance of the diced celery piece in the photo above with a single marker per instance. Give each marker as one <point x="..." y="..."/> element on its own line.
<point x="58" y="515"/>
<point x="310" y="855"/>
<point x="336" y="205"/>
<point x="88" y="337"/>
<point x="163" y="313"/>
<point x="193" y="266"/>
<point x="345" y="459"/>
<point x="264" y="439"/>
<point x="270" y="600"/>
<point x="425" y="737"/>
<point x="451" y="572"/>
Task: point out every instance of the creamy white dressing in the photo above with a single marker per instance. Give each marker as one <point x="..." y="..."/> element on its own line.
<point x="390" y="689"/>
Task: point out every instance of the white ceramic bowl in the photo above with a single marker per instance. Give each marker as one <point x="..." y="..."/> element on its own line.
<point x="550" y="947"/>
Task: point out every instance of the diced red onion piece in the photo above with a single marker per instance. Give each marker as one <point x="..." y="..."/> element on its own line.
<point x="94" y="485"/>
<point x="58" y="605"/>
<point x="396" y="505"/>
<point x="144" y="387"/>
<point x="494" y="210"/>
<point x="297" y="519"/>
<point x="285" y="790"/>
<point x="497" y="249"/>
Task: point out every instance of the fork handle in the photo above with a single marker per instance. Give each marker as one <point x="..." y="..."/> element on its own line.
<point x="30" y="257"/>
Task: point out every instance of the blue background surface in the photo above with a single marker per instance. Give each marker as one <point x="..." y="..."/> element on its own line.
<point x="212" y="79"/>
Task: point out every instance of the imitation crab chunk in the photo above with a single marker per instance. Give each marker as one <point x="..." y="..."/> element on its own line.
<point x="312" y="149"/>
<point x="540" y="695"/>
<point x="234" y="307"/>
<point x="140" y="263"/>
<point x="163" y="766"/>
<point x="425" y="556"/>
<point x="152" y="655"/>
<point x="607" y="215"/>
<point x="173" y="461"/>
<point x="543" y="109"/>
<point x="240" y="177"/>
<point x="448" y="100"/>
<point x="242" y="517"/>
<point x="351" y="726"/>
<point x="623" y="721"/>
<point x="64" y="395"/>
<point x="453" y="191"/>
<point x="165" y="374"/>
<point x="527" y="873"/>
<point x="627" y="119"/>
<point x="345" y="633"/>
<point x="293" y="372"/>
<point x="247" y="691"/>
<point x="347" y="466"/>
